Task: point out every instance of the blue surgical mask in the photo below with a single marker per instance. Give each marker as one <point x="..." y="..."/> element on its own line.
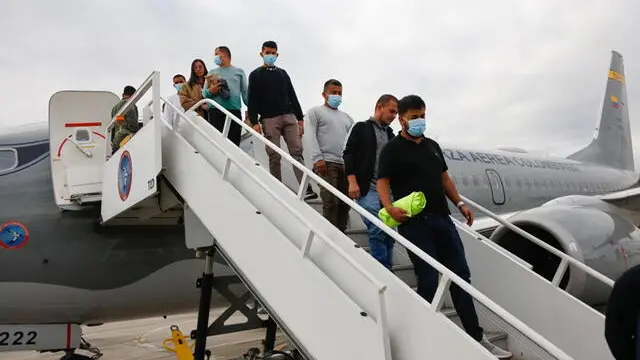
<point x="217" y="60"/>
<point x="334" y="101"/>
<point x="416" y="127"/>
<point x="178" y="86"/>
<point x="269" y="59"/>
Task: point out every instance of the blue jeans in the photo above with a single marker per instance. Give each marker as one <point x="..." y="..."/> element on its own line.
<point x="437" y="236"/>
<point x="380" y="243"/>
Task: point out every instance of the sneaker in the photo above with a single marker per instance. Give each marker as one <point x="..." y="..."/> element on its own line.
<point x="310" y="195"/>
<point x="494" y="350"/>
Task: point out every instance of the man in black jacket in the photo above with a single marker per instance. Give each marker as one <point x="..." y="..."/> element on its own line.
<point x="622" y="328"/>
<point x="361" y="154"/>
<point x="274" y="104"/>
<point x="410" y="163"/>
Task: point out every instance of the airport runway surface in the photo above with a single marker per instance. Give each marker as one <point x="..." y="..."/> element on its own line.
<point x="142" y="340"/>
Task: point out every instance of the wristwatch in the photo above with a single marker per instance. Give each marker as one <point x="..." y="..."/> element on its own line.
<point x="459" y="204"/>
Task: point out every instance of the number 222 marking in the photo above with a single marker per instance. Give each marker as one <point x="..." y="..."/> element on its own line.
<point x="17" y="340"/>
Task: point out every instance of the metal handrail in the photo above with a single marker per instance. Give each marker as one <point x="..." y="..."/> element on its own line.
<point x="566" y="259"/>
<point x="448" y="275"/>
<point x="140" y="92"/>
<point x="313" y="232"/>
<point x="341" y="252"/>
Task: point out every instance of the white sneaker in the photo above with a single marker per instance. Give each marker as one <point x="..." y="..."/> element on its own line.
<point x="494" y="350"/>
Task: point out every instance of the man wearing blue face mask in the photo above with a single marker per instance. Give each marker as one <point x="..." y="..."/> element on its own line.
<point x="326" y="128"/>
<point x="274" y="104"/>
<point x="230" y="92"/>
<point x="170" y="115"/>
<point x="412" y="162"/>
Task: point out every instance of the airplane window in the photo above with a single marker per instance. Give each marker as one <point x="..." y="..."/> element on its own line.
<point x="519" y="183"/>
<point x="465" y="181"/>
<point x="8" y="159"/>
<point x="507" y="183"/>
<point x="485" y="181"/>
<point x="527" y="183"/>
<point x="476" y="181"/>
<point x="83" y="135"/>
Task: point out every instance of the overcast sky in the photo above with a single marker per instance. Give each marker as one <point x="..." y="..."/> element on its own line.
<point x="527" y="73"/>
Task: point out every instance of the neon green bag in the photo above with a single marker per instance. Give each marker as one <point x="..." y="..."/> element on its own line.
<point x="413" y="204"/>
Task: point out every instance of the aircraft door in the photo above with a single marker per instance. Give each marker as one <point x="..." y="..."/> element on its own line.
<point x="497" y="188"/>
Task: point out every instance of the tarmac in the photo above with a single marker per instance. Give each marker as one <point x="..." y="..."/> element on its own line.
<point x="142" y="340"/>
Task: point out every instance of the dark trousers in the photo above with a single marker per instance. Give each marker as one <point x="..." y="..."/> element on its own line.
<point x="437" y="236"/>
<point x="622" y="331"/>
<point x="334" y="209"/>
<point x="217" y="119"/>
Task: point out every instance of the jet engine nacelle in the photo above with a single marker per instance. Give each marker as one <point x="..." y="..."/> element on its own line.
<point x="587" y="229"/>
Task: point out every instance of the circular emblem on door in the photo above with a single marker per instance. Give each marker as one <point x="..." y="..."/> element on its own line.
<point x="13" y="235"/>
<point x="124" y="175"/>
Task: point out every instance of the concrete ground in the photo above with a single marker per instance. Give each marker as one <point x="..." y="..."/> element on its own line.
<point x="142" y="340"/>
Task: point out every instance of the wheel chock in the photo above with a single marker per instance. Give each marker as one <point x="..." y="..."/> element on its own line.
<point x="181" y="345"/>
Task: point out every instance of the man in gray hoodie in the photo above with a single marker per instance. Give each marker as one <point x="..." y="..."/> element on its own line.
<point x="326" y="129"/>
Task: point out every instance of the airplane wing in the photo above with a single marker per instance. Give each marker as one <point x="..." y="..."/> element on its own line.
<point x="627" y="199"/>
<point x="483" y="224"/>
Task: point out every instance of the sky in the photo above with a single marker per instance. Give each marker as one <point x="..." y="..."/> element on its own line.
<point x="495" y="73"/>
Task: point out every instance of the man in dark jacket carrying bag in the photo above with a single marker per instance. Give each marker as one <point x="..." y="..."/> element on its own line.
<point x="362" y="151"/>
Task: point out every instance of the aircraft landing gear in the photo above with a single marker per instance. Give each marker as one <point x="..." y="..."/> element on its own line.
<point x="85" y="345"/>
<point x="70" y="354"/>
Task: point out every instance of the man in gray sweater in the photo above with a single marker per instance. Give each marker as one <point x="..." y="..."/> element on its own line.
<point x="326" y="129"/>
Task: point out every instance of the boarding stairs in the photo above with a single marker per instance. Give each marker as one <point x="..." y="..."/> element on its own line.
<point x="332" y="299"/>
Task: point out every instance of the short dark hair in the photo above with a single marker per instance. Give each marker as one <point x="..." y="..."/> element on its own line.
<point x="270" y="44"/>
<point x="225" y="50"/>
<point x="129" y="90"/>
<point x="410" y="102"/>
<point x="179" y="75"/>
<point x="333" y="82"/>
<point x="384" y="99"/>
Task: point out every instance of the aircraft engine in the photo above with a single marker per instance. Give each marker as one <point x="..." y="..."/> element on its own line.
<point x="587" y="229"/>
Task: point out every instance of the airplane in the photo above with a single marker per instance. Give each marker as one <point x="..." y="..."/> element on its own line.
<point x="58" y="265"/>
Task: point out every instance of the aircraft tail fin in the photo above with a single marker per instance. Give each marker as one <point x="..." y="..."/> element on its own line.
<point x="612" y="145"/>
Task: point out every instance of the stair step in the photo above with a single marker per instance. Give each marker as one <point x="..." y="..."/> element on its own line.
<point x="355" y="231"/>
<point x="404" y="267"/>
<point x="449" y="312"/>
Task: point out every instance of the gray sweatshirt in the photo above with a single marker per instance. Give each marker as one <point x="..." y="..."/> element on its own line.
<point x="325" y="132"/>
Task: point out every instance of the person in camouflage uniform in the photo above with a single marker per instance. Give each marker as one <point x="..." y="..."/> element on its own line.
<point x="130" y="124"/>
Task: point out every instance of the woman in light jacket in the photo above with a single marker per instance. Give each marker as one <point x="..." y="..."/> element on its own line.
<point x="191" y="92"/>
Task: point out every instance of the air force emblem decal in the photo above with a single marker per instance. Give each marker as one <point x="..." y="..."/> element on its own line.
<point x="125" y="175"/>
